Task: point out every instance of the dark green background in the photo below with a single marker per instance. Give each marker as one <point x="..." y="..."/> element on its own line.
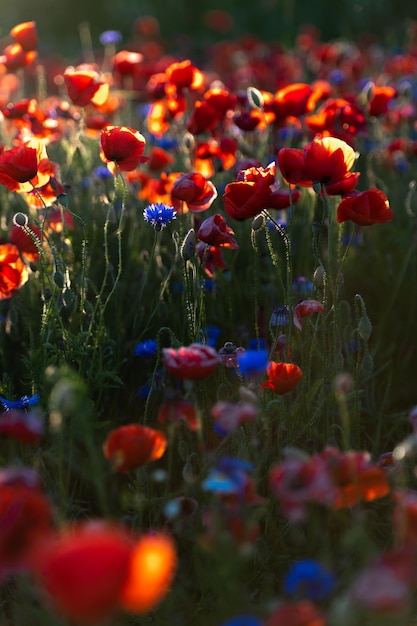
<point x="58" y="20"/>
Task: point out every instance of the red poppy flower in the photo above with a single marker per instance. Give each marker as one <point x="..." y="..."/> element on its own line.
<point x="251" y="194"/>
<point x="125" y="62"/>
<point x="248" y="120"/>
<point x="299" y="480"/>
<point x="123" y="147"/>
<point x="25" y="519"/>
<point x="355" y="477"/>
<point x="159" y="159"/>
<point x="380" y="99"/>
<point x="203" y="117"/>
<point x="13" y="272"/>
<point x="215" y="231"/>
<point x="220" y="99"/>
<point x="405" y="517"/>
<point x="83" y="570"/>
<point x="85" y="86"/>
<point x="292" y="100"/>
<point x="192" y="362"/>
<point x="15" y="57"/>
<point x="302" y="613"/>
<point x="305" y="308"/>
<point x="338" y="117"/>
<point x="365" y="208"/>
<point x="22" y="167"/>
<point x="25" y="242"/>
<point x="327" y="161"/>
<point x="133" y="445"/>
<point x="282" y="377"/>
<point x="193" y="190"/>
<point x="178" y="410"/>
<point x="26" y="35"/>
<point x="184" y="74"/>
<point x="22" y="426"/>
<point x="152" y="566"/>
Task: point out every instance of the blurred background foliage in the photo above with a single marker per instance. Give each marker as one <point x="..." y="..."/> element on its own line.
<point x="182" y="22"/>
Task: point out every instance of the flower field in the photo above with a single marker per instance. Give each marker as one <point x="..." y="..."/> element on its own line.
<point x="208" y="332"/>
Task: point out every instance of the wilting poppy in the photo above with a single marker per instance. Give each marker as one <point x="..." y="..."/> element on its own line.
<point x="305" y="308"/>
<point x="178" y="410"/>
<point x="365" y="208"/>
<point x="85" y="86"/>
<point x="193" y="190"/>
<point x="133" y="445"/>
<point x="215" y="231"/>
<point x="302" y="613"/>
<point x="82" y="571"/>
<point x="282" y="377"/>
<point x="152" y="566"/>
<point x="194" y="361"/>
<point x="13" y="272"/>
<point x="123" y="147"/>
<point x="26" y="35"/>
<point x="23" y="167"/>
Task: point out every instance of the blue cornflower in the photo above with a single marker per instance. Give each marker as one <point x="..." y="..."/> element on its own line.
<point x="302" y="286"/>
<point x="253" y="361"/>
<point x="229" y="476"/>
<point x="146" y="348"/>
<point x="23" y="403"/>
<point x="102" y="172"/>
<point x="110" y="37"/>
<point x="211" y="334"/>
<point x="279" y="316"/>
<point x="159" y="215"/>
<point x="309" y="579"/>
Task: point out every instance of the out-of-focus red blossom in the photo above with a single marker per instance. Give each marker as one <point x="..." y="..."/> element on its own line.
<point x="405" y="517"/>
<point x="203" y="118"/>
<point x="221" y="100"/>
<point x="213" y="155"/>
<point x="282" y="377"/>
<point x="13" y="272"/>
<point x="354" y="477"/>
<point x="304" y="309"/>
<point x="183" y="74"/>
<point x="84" y="86"/>
<point x="56" y="220"/>
<point x="133" y="445"/>
<point x="380" y="99"/>
<point x="125" y="62"/>
<point x="122" y="147"/>
<point x="216" y="232"/>
<point x="26" y="35"/>
<point x="211" y="258"/>
<point x="248" y="120"/>
<point x="83" y="570"/>
<point x="22" y="426"/>
<point x="146" y="25"/>
<point x="194" y="191"/>
<point x="218" y="20"/>
<point x="229" y="415"/>
<point x="298" y="481"/>
<point x="23" y="167"/>
<point x="15" y="57"/>
<point x="255" y="190"/>
<point x="159" y="159"/>
<point x="292" y="100"/>
<point x="25" y="519"/>
<point x="192" y="362"/>
<point x="178" y="410"/>
<point x="380" y="590"/>
<point x="326" y="160"/>
<point x="365" y="208"/>
<point x="339" y="117"/>
<point x="152" y="567"/>
<point x="25" y="241"/>
<point x="302" y="613"/>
